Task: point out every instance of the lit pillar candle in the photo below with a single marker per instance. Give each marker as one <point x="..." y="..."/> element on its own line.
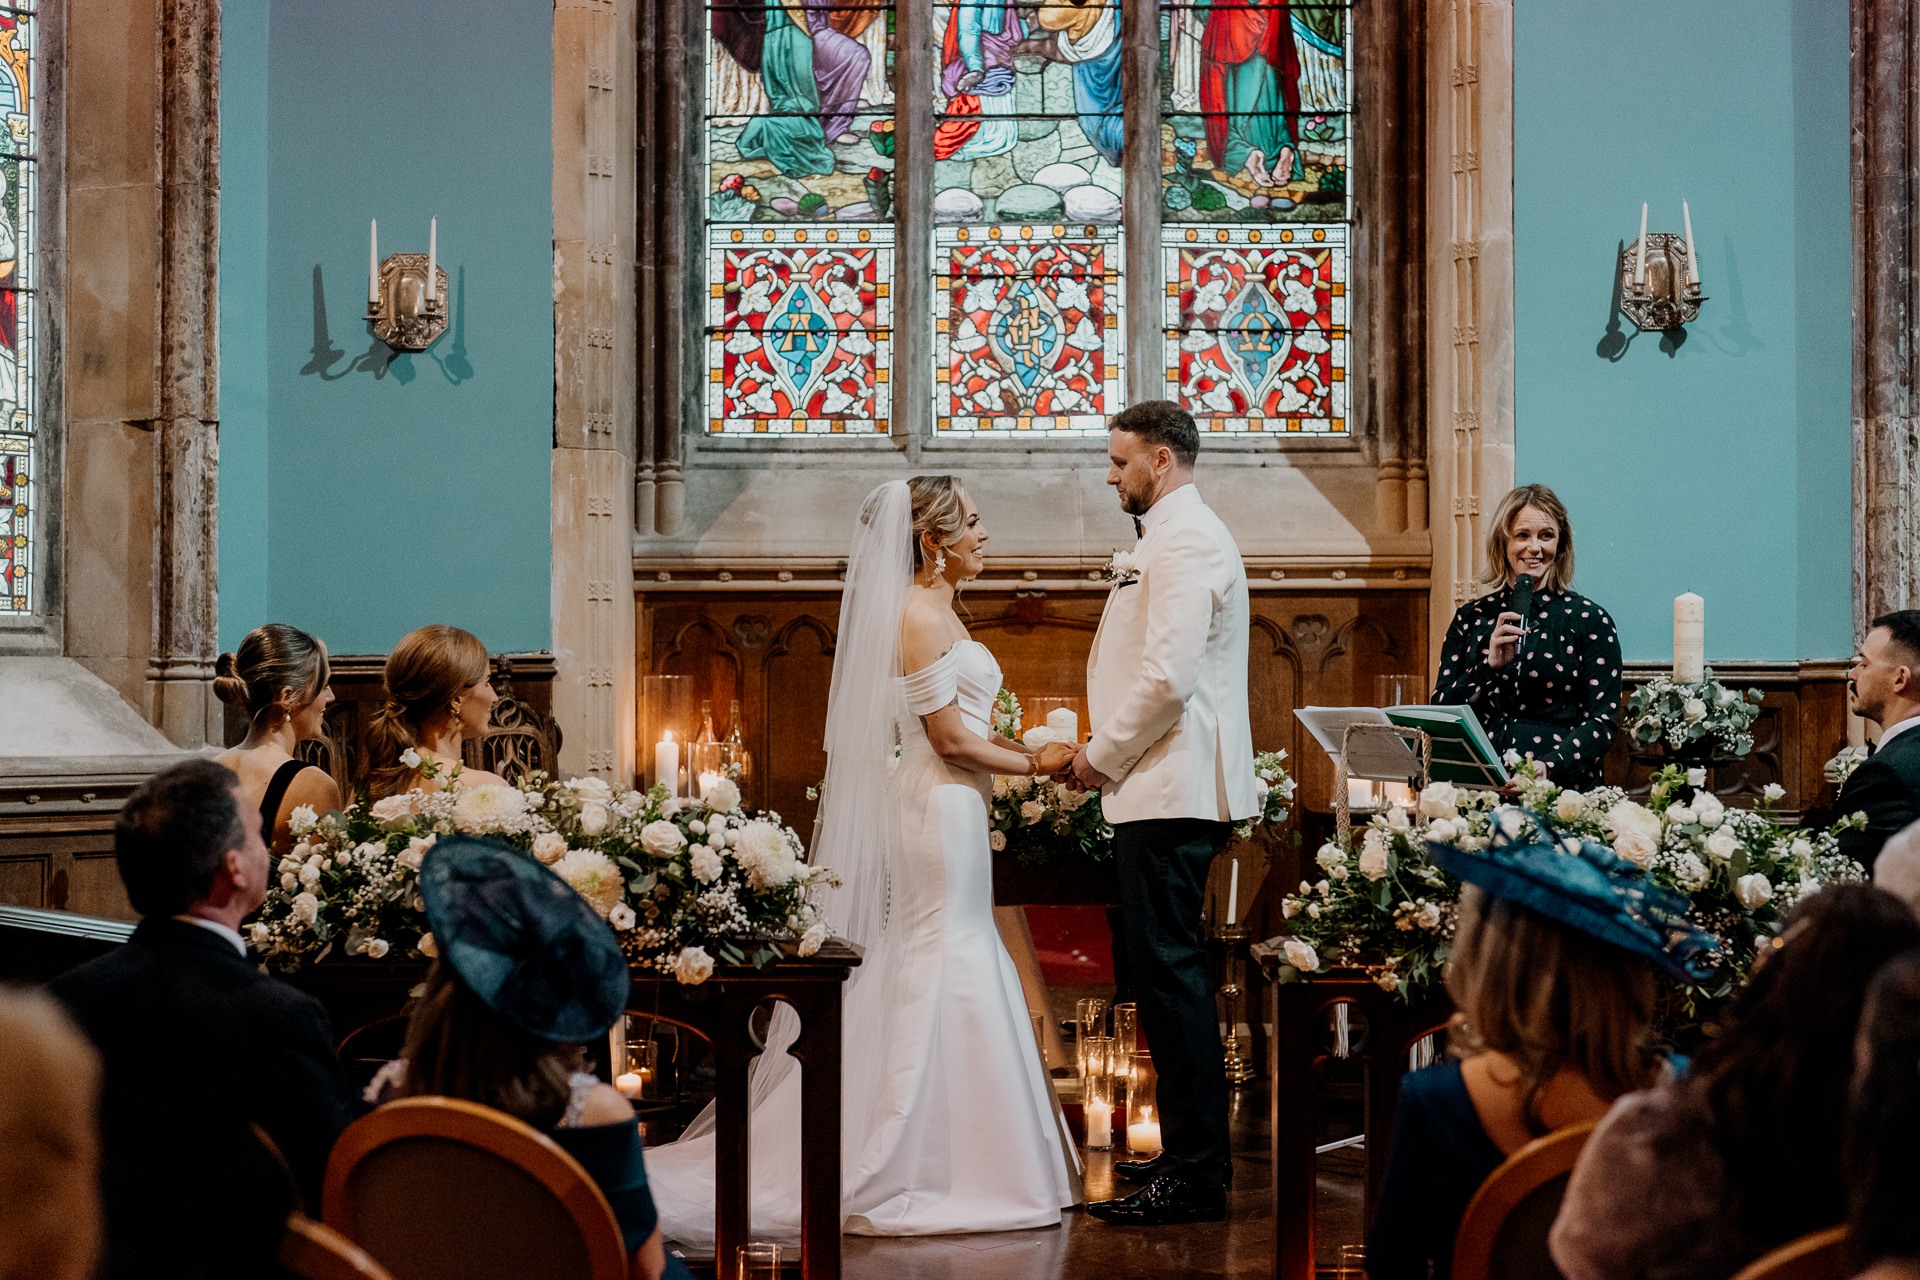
<point x="1693" y="254"/>
<point x="1689" y="637"/>
<point x="1065" y="723"/>
<point x="433" y="261"/>
<point x="1233" y="893"/>
<point x="1143" y="1136"/>
<point x="629" y="1083"/>
<point x="707" y="780"/>
<point x="1640" y="254"/>
<point x="666" y="763"/>
<point x="1099" y="1124"/>
<point x="373" y="262"/>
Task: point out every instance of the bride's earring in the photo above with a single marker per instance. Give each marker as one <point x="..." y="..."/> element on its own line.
<point x="939" y="563"/>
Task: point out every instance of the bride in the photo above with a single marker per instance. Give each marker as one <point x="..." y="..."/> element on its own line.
<point x="949" y="1122"/>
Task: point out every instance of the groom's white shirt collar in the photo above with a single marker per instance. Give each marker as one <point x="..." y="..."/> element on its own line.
<point x="1168" y="504"/>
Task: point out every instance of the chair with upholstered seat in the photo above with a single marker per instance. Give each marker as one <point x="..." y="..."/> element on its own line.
<point x="1820" y="1256"/>
<point x="314" y="1251"/>
<point x="445" y="1189"/>
<point x="1503" y="1234"/>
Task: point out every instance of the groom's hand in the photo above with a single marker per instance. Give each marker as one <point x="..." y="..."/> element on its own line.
<point x="1084" y="776"/>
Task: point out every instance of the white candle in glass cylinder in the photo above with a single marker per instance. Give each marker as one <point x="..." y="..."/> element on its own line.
<point x="1143" y="1136"/>
<point x="373" y="262"/>
<point x="1065" y="723"/>
<point x="628" y="1083"/>
<point x="666" y="763"/>
<point x="1689" y="637"/>
<point x="1099" y="1124"/>
<point x="1233" y="893"/>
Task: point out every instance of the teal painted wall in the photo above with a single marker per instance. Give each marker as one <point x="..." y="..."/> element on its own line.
<point x="404" y="489"/>
<point x="244" y="364"/>
<point x="1722" y="466"/>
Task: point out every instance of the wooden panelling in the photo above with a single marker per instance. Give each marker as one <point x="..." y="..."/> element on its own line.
<point x="62" y="862"/>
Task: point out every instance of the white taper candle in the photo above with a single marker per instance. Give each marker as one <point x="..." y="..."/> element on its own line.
<point x="433" y="261"/>
<point x="373" y="263"/>
<point x="1233" y="892"/>
<point x="1693" y="253"/>
<point x="1689" y="637"/>
<point x="1640" y="253"/>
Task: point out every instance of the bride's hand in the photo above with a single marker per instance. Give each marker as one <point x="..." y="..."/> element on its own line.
<point x="1052" y="758"/>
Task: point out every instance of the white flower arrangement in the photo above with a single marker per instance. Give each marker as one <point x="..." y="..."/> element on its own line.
<point x="351" y="882"/>
<point x="1386" y="908"/>
<point x="1697" y="720"/>
<point x="1841" y="767"/>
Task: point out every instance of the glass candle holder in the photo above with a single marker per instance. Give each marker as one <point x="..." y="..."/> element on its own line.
<point x="667" y="727"/>
<point x="1089" y="1019"/>
<point x="1097" y="1100"/>
<point x="759" y="1261"/>
<point x="1095" y="1058"/>
<point x="1061" y="715"/>
<point x="638" y="1074"/>
<point x="1126" y="1031"/>
<point x="1143" y="1112"/>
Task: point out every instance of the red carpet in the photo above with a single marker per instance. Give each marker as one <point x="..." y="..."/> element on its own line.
<point x="1074" y="944"/>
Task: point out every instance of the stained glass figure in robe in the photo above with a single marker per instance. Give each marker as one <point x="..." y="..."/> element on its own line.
<point x="18" y="175"/>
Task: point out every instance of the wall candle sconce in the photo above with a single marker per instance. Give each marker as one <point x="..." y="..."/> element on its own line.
<point x="1661" y="288"/>
<point x="406" y="293"/>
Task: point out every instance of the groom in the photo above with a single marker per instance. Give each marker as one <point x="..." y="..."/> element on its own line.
<point x="1172" y="755"/>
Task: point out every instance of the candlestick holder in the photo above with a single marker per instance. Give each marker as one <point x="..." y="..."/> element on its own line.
<point x="1235" y="1047"/>
<point x="410" y="313"/>
<point x="1666" y="297"/>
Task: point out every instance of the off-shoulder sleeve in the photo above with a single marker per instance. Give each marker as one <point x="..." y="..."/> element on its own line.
<point x="933" y="686"/>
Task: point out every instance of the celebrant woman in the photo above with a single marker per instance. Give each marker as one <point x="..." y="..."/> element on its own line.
<point x="1546" y="684"/>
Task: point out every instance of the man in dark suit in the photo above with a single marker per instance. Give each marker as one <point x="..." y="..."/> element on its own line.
<point x="1885" y="687"/>
<point x="198" y="1044"/>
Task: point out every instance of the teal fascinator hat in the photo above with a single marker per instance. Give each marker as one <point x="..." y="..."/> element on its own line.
<point x="1583" y="884"/>
<point x="523" y="941"/>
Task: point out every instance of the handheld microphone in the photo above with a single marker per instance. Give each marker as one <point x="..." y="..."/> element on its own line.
<point x="1522" y="601"/>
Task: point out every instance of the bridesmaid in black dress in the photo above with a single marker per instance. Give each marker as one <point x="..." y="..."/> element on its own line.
<point x="1552" y="689"/>
<point x="279" y="680"/>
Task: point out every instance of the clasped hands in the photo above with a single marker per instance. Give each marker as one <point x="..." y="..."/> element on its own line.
<point x="1068" y="765"/>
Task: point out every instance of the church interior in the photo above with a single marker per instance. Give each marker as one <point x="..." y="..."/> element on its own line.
<point x="714" y="273"/>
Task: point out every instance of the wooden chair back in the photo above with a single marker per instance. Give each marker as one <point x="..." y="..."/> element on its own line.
<point x="314" y="1251"/>
<point x="1820" y="1256"/>
<point x="1503" y="1235"/>
<point x="445" y="1189"/>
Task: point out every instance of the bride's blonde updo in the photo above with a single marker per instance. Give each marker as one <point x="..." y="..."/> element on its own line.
<point x="427" y="673"/>
<point x="938" y="509"/>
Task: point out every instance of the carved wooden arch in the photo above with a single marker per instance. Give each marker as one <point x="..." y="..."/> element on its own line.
<point x="1283" y="646"/>
<point x="1337" y="646"/>
<point x="783" y="640"/>
<point x="723" y="651"/>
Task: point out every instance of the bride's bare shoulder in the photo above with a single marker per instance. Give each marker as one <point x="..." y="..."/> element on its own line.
<point x="926" y="631"/>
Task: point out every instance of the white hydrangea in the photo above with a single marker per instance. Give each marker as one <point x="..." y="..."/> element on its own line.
<point x="302" y="820"/>
<point x="706" y="864"/>
<point x="490" y="808"/>
<point x="765" y="855"/>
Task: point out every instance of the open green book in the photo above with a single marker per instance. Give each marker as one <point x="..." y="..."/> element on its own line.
<point x="1462" y="752"/>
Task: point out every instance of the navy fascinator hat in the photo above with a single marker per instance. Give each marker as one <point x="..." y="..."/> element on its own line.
<point x="1585" y="885"/>
<point x="522" y="940"/>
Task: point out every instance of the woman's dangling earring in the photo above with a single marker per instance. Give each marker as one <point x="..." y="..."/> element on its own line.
<point x="939" y="562"/>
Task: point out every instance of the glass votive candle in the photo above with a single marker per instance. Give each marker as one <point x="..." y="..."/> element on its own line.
<point x="1089" y="1019"/>
<point x="636" y="1076"/>
<point x="1143" y="1113"/>
<point x="1126" y="1030"/>
<point x="1097" y="1101"/>
<point x="759" y="1261"/>
<point x="1095" y="1058"/>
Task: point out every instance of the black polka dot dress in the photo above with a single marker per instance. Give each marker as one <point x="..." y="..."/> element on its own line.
<point x="1558" y="699"/>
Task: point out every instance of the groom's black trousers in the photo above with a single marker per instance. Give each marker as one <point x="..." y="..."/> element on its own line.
<point x="1163" y="876"/>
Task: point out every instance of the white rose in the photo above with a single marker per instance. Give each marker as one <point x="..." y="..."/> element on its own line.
<point x="1032" y="811"/>
<point x="549" y="846"/>
<point x="706" y="865"/>
<point x="1752" y="890"/>
<point x="593" y="876"/>
<point x="260" y="934"/>
<point x="1680" y="816"/>
<point x="410" y="758"/>
<point x="1387" y="981"/>
<point x="997" y="841"/>
<point x="693" y="966"/>
<point x="417" y="849"/>
<point x="723" y="796"/>
<point x="811" y="940"/>
<point x="591" y="789"/>
<point x="1800" y="849"/>
<point x="490" y="808"/>
<point x="593" y="818"/>
<point x="1439" y="800"/>
<point x="1288" y="909"/>
<point x="1773" y="791"/>
<point x="294" y="863"/>
<point x="310" y="874"/>
<point x="378" y="948"/>
<point x="1428" y="916"/>
<point x="1441" y="831"/>
<point x="1694" y="711"/>
<point x="302" y="819"/>
<point x="622" y="916"/>
<point x="1397" y="820"/>
<point x="1627" y="816"/>
<point x="1301" y="956"/>
<point x="305" y="909"/>
<point x="392" y="812"/>
<point x="1711" y="812"/>
<point x="428" y="947"/>
<point x="1038" y="737"/>
<point x="1636" y="847"/>
<point x="289" y="882"/>
<point x="1568" y="805"/>
<point x="662" y="839"/>
<point x="1329" y="856"/>
<point x="1373" y="856"/>
<point x="1722" y="845"/>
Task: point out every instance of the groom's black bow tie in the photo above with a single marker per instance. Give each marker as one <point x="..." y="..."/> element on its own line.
<point x="1139" y="530"/>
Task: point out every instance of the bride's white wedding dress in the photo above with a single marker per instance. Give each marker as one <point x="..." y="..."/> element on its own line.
<point x="950" y="1122"/>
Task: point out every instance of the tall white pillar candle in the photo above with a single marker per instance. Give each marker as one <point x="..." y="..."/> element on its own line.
<point x="1233" y="893"/>
<point x="1693" y="254"/>
<point x="1065" y="723"/>
<point x="433" y="261"/>
<point x="1099" y="1124"/>
<point x="1640" y="254"/>
<point x="373" y="262"/>
<point x="1689" y="637"/>
<point x="666" y="764"/>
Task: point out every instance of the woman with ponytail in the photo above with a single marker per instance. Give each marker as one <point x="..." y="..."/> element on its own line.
<point x="438" y="695"/>
<point x="279" y="679"/>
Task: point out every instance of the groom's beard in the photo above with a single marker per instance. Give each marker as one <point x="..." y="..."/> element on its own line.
<point x="1133" y="501"/>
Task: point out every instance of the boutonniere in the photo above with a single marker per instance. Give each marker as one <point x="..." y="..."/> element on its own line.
<point x="1122" y="570"/>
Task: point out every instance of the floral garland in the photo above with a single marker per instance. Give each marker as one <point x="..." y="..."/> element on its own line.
<point x="1387" y="909"/>
<point x="684" y="885"/>
<point x="1701" y="717"/>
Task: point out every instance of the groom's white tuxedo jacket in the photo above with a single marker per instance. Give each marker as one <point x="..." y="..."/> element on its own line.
<point x="1167" y="678"/>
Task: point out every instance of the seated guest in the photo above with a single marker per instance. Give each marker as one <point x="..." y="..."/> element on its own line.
<point x="198" y="1044"/>
<point x="438" y="695"/>
<point x="1547" y="685"/>
<point x="1884" y="686"/>
<point x="1555" y="1007"/>
<point x="1897" y="869"/>
<point x="528" y="974"/>
<point x="279" y="678"/>
<point x="1696" y="1179"/>
<point x="49" y="1148"/>
<point x="1883" y="1127"/>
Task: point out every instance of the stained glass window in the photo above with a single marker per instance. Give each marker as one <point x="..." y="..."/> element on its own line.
<point x="17" y="381"/>
<point x="1028" y="331"/>
<point x="799" y="216"/>
<point x="1254" y="157"/>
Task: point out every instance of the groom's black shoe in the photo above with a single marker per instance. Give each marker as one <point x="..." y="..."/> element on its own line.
<point x="1168" y="1199"/>
<point x="1149" y="1169"/>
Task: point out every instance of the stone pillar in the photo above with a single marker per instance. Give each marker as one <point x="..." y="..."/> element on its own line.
<point x="595" y="392"/>
<point x="186" y="451"/>
<point x="1886" y="459"/>
<point x="1469" y="287"/>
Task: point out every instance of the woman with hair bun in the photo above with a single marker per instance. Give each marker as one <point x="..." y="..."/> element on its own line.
<point x="438" y="695"/>
<point x="278" y="677"/>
